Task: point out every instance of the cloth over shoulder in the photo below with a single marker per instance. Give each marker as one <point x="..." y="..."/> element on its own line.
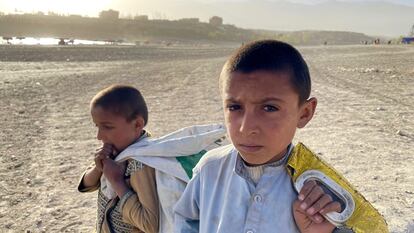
<point x="173" y="157"/>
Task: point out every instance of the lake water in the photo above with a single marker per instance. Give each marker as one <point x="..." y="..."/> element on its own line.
<point x="53" y="41"/>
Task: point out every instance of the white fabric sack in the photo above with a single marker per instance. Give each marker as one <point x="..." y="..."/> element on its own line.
<point x="160" y="153"/>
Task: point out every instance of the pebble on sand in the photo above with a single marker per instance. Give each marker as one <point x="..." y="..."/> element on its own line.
<point x="403" y="133"/>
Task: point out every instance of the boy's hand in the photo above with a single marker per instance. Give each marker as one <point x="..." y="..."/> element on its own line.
<point x="311" y="204"/>
<point x="106" y="151"/>
<point x="114" y="172"/>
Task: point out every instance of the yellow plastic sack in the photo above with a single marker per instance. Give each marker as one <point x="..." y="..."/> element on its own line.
<point x="365" y="218"/>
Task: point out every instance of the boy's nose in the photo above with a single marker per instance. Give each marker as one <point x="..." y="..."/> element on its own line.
<point x="248" y="124"/>
<point x="99" y="136"/>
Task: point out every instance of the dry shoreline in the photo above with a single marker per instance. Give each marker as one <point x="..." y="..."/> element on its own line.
<point x="364" y="123"/>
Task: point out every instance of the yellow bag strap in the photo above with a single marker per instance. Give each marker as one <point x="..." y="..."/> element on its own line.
<point x="365" y="218"/>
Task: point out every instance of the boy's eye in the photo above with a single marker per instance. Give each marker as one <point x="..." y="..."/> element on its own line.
<point x="233" y="107"/>
<point x="107" y="127"/>
<point x="270" y="108"/>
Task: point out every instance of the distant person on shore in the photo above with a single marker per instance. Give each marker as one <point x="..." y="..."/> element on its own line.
<point x="120" y="114"/>
<point x="248" y="185"/>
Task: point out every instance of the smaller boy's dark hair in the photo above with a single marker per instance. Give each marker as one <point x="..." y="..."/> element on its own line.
<point x="122" y="100"/>
<point x="273" y="56"/>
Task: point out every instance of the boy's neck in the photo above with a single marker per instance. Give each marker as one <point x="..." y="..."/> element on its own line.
<point x="138" y="138"/>
<point x="278" y="159"/>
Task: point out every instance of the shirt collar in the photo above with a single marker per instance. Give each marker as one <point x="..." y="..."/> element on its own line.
<point x="240" y="169"/>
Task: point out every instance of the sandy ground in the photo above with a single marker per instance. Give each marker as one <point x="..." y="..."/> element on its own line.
<point x="364" y="123"/>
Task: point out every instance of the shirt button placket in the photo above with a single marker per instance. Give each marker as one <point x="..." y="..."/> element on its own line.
<point x="258" y="198"/>
<point x="254" y="214"/>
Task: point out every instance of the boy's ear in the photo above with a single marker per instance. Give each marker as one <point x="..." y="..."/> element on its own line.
<point x="307" y="111"/>
<point x="139" y="123"/>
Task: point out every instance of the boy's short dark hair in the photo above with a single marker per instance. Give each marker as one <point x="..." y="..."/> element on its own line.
<point x="122" y="100"/>
<point x="273" y="56"/>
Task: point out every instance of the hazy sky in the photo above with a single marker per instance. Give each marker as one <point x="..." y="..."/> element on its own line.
<point x="403" y="2"/>
<point x="93" y="7"/>
<point x="373" y="17"/>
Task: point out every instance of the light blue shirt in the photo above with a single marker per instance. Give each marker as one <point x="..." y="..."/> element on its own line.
<point x="221" y="198"/>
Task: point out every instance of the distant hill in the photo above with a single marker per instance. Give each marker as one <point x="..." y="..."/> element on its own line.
<point x="371" y="17"/>
<point x="318" y="37"/>
<point x="78" y="27"/>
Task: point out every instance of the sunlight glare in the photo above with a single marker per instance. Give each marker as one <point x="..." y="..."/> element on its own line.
<point x="79" y="7"/>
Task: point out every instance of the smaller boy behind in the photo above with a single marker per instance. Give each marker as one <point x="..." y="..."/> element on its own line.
<point x="120" y="114"/>
<point x="245" y="187"/>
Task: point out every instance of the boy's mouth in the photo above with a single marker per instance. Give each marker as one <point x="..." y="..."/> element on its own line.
<point x="249" y="147"/>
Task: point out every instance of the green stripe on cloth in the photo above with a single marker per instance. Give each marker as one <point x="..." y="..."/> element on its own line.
<point x="189" y="162"/>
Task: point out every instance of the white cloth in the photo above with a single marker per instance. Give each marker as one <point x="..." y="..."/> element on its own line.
<point x="160" y="153"/>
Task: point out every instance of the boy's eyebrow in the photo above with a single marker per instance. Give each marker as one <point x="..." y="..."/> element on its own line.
<point x="271" y="99"/>
<point x="105" y="123"/>
<point x="231" y="99"/>
<point x="268" y="99"/>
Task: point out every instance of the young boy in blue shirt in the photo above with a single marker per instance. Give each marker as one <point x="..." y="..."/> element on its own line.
<point x="245" y="187"/>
